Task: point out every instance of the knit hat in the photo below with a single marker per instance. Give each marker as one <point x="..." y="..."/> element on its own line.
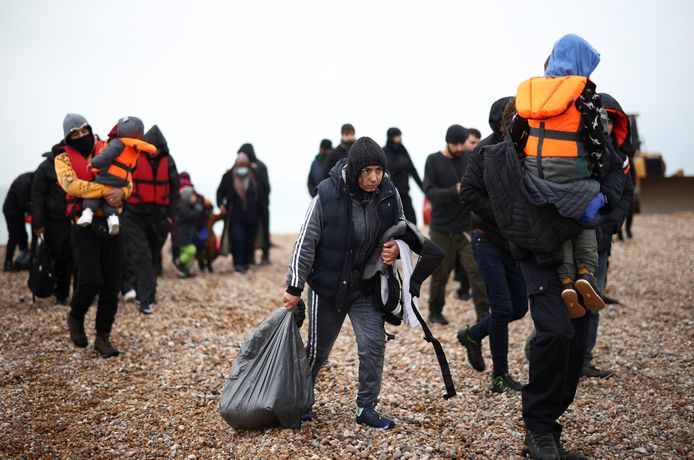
<point x="456" y="134"/>
<point x="72" y="122"/>
<point x="131" y="127"/>
<point x="326" y="144"/>
<point x="392" y="132"/>
<point x="364" y="152"/>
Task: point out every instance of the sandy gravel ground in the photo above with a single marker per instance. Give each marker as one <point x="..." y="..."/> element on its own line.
<point x="160" y="398"/>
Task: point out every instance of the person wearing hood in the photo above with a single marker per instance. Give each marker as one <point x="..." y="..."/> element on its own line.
<point x="188" y="214"/>
<point x="240" y="196"/>
<point x="262" y="179"/>
<point x="16" y="207"/>
<point x="347" y="137"/>
<point x="450" y="223"/>
<point x="400" y="167"/>
<point x="147" y="220"/>
<point x="344" y="225"/>
<point x="315" y="174"/>
<point x="501" y="273"/>
<point x="99" y="255"/>
<point x="619" y="130"/>
<point x="48" y="220"/>
<point x="114" y="166"/>
<point x="559" y="136"/>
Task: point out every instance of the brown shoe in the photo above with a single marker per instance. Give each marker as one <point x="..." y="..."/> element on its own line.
<point x="570" y="298"/>
<point x="77" y="335"/>
<point x="585" y="285"/>
<point x="102" y="344"/>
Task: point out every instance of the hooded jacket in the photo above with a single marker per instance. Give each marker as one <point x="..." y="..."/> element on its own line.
<point x="47" y="198"/>
<point x="18" y="199"/>
<point x="261" y="175"/>
<point x="400" y="166"/>
<point x="325" y="256"/>
<point x="155" y="137"/>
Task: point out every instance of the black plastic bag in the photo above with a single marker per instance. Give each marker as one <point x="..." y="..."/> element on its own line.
<point x="41" y="281"/>
<point x="270" y="382"/>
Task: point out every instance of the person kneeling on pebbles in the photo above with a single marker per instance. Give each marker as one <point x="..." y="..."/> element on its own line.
<point x="346" y="219"/>
<point x="114" y="167"/>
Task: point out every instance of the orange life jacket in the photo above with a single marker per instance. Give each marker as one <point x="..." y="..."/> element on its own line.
<point x="124" y="164"/>
<point x="549" y="105"/>
<point x="151" y="185"/>
<point x="79" y="165"/>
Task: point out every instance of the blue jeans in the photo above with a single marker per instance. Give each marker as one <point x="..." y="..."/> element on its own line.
<point x="507" y="294"/>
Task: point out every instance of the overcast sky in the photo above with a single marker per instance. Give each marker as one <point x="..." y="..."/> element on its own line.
<point x="283" y="75"/>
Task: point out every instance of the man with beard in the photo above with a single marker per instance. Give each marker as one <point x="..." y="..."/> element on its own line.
<point x="99" y="256"/>
<point x="400" y="167"/>
<point x="450" y="223"/>
<point x="147" y="219"/>
<point x="315" y="175"/>
<point x="263" y="179"/>
<point x="347" y="137"/>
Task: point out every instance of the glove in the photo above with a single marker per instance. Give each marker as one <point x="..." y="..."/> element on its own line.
<point x="594" y="206"/>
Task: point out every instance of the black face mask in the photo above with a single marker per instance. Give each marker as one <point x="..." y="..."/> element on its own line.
<point x="84" y="145"/>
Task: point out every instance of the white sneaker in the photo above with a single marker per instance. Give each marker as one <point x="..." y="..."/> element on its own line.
<point x="86" y="217"/>
<point x="113" y="224"/>
<point x="130" y="296"/>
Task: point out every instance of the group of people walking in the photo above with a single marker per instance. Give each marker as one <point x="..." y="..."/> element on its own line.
<point x="527" y="213"/>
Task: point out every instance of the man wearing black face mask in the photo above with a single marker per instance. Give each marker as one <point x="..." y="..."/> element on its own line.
<point x="99" y="257"/>
<point x="348" y="135"/>
<point x="400" y="168"/>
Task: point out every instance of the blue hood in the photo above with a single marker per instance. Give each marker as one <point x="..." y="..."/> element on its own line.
<point x="572" y="55"/>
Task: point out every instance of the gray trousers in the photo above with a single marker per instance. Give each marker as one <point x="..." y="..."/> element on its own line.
<point x="580" y="252"/>
<point x="96" y="203"/>
<point x="325" y="322"/>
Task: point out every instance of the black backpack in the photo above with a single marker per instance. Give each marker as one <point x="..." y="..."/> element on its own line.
<point x="41" y="282"/>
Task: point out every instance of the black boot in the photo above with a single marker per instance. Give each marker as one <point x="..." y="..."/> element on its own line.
<point x="540" y="446"/>
<point x="77" y="335"/>
<point x="102" y="344"/>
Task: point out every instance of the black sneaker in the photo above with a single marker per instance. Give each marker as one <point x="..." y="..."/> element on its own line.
<point x="540" y="446"/>
<point x="370" y="417"/>
<point x="587" y="287"/>
<point x="77" y="335"/>
<point x="594" y="372"/>
<point x="564" y="455"/>
<point x="505" y="383"/>
<point x="464" y="295"/>
<point x="570" y="298"/>
<point x="102" y="344"/>
<point x="610" y="300"/>
<point x="438" y="318"/>
<point x="473" y="348"/>
<point x="60" y="301"/>
<point x="146" y="308"/>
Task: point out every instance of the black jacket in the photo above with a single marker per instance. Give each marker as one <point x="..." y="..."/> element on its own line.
<point x="227" y="197"/>
<point x="18" y="199"/>
<point x="47" y="197"/>
<point x="337" y="154"/>
<point x="400" y="167"/>
<point x="187" y="218"/>
<point x="261" y="175"/>
<point x="448" y="214"/>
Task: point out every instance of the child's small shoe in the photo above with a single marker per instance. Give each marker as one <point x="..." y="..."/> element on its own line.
<point x="86" y="218"/>
<point x="570" y="298"/>
<point x="113" y="225"/>
<point x="587" y="287"/>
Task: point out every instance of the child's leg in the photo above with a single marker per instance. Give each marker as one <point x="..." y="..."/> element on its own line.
<point x="586" y="256"/>
<point x="186" y="255"/>
<point x="89" y="205"/>
<point x="108" y="209"/>
<point x="92" y="203"/>
<point x="567" y="274"/>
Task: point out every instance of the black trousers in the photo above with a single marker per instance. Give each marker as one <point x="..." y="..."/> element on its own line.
<point x="16" y="235"/>
<point x="265" y="228"/>
<point x="145" y="237"/>
<point x="100" y="260"/>
<point x="556" y="352"/>
<point x="58" y="235"/>
<point x="407" y="208"/>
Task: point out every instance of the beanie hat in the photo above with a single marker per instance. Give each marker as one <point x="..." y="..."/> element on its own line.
<point x="392" y="132"/>
<point x="184" y="179"/>
<point x="456" y="134"/>
<point x="130" y="127"/>
<point x="326" y="144"/>
<point x="72" y="122"/>
<point x="364" y="152"/>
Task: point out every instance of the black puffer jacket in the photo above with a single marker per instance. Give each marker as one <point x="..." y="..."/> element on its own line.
<point x="18" y="199"/>
<point x="47" y="197"/>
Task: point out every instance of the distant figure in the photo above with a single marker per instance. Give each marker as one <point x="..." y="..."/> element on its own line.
<point x="239" y="196"/>
<point x="183" y="241"/>
<point x="315" y="175"/>
<point x="450" y="223"/>
<point x="114" y="167"/>
<point x="262" y="178"/>
<point x="400" y="167"/>
<point x="48" y="219"/>
<point x="148" y="218"/>
<point x="16" y="206"/>
<point x="347" y="137"/>
<point x="474" y="136"/>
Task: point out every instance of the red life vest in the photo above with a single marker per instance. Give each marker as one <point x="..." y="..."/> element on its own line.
<point x="79" y="165"/>
<point x="151" y="185"/>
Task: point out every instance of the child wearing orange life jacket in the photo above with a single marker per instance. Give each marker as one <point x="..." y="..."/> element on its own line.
<point x="115" y="165"/>
<point x="565" y="142"/>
